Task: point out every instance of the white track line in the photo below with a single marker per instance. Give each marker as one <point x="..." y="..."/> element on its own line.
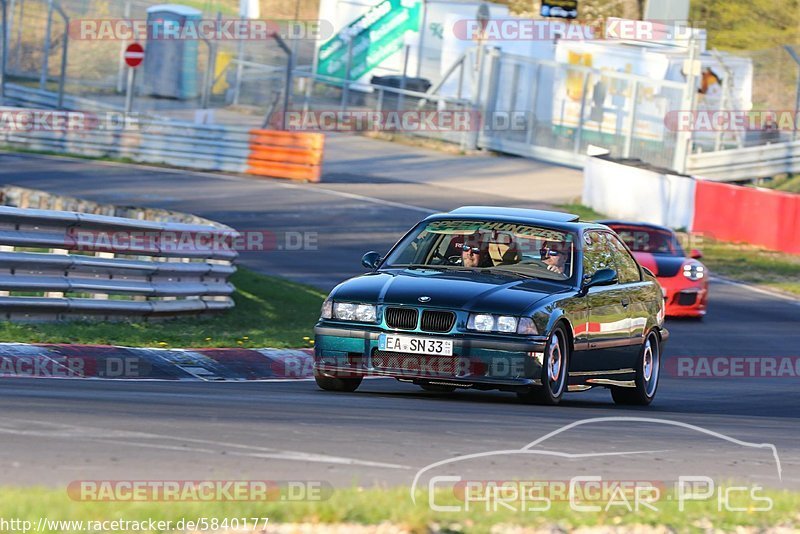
<point x="761" y="291"/>
<point x="238" y="178"/>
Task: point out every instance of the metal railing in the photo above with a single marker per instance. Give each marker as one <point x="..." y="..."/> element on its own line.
<point x="746" y="163"/>
<point x="60" y="264"/>
<point x="146" y="140"/>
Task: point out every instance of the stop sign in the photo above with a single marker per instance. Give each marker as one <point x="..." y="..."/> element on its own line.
<point x="134" y="55"/>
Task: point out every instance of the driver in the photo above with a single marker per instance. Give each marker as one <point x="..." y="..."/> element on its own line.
<point x="554" y="255"/>
<point x="474" y="252"/>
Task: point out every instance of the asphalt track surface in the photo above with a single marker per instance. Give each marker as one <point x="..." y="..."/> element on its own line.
<point x="57" y="431"/>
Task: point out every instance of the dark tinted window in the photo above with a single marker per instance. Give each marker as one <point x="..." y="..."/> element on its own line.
<point x="627" y="268"/>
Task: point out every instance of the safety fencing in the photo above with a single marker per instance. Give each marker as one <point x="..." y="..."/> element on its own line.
<point x="296" y="156"/>
<point x="59" y="264"/>
<point x="723" y="211"/>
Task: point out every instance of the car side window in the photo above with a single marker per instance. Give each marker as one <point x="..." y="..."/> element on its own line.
<point x="598" y="253"/>
<point x="627" y="268"/>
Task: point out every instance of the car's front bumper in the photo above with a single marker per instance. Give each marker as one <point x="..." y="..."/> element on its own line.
<point x="480" y="361"/>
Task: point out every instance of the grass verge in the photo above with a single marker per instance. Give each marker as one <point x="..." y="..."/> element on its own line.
<point x="748" y="263"/>
<point x="269" y="312"/>
<point x="393" y="505"/>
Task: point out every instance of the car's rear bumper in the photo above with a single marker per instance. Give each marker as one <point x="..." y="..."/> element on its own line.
<point x="478" y="361"/>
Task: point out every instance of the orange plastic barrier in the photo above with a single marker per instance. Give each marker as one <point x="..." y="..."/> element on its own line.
<point x="292" y="155"/>
<point x="747" y="215"/>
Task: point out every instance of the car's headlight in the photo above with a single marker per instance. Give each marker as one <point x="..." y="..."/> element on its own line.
<point x="694" y="271"/>
<point x="482" y="322"/>
<point x="506" y="323"/>
<point x="366" y="313"/>
<point x="327" y="309"/>
<point x="352" y="311"/>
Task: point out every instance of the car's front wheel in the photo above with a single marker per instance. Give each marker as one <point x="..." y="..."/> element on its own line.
<point x="330" y="383"/>
<point x="647" y="373"/>
<point x="555" y="369"/>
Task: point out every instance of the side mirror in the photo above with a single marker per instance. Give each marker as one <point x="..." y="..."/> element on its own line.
<point x="603" y="277"/>
<point x="371" y="260"/>
<point x="696" y="254"/>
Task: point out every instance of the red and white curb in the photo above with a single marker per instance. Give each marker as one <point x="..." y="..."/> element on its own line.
<point x="45" y="360"/>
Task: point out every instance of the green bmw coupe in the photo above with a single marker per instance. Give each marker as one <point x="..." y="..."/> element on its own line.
<point x="527" y="301"/>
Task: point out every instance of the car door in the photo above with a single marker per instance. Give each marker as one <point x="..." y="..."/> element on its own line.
<point x="636" y="295"/>
<point x="607" y="331"/>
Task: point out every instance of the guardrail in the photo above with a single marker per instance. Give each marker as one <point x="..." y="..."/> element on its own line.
<point x="23" y="96"/>
<point x="60" y="264"/>
<point x="291" y="155"/>
<point x="746" y="163"/>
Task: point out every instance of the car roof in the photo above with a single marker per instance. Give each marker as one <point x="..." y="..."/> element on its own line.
<point x="566" y="222"/>
<point x="539" y="215"/>
<point x="635" y="224"/>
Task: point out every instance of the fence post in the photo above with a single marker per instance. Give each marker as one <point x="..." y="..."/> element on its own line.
<point x="62" y="80"/>
<point x="126" y="14"/>
<point x="46" y="56"/>
<point x="684" y="138"/>
<point x="796" y="59"/>
<point x="4" y="54"/>
<point x="579" y="131"/>
<point x="348" y="66"/>
<point x="631" y="122"/>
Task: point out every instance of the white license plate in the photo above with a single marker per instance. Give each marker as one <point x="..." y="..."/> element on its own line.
<point x="415" y="345"/>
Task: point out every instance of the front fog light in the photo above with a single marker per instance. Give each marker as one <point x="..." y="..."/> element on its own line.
<point x="327" y="309"/>
<point x="366" y="313"/>
<point x="482" y="322"/>
<point x="506" y="323"/>
<point x="345" y="311"/>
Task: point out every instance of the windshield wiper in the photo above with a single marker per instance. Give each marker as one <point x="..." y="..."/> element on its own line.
<point x="423" y="266"/>
<point x="514" y="273"/>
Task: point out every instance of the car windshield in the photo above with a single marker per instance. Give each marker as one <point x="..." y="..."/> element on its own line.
<point x="652" y="240"/>
<point x="520" y="250"/>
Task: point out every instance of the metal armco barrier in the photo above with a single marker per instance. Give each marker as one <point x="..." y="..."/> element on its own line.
<point x="95" y="266"/>
<point x="292" y="155"/>
<point x="746" y="163"/>
<point x="743" y="214"/>
<point x="277" y="154"/>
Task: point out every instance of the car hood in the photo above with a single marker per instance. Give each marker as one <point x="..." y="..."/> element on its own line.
<point x="662" y="265"/>
<point x="468" y="290"/>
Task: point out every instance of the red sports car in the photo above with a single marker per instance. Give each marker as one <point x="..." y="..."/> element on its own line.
<point x="683" y="278"/>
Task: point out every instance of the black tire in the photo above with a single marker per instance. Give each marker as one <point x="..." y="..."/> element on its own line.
<point x="438" y="388"/>
<point x="329" y="383"/>
<point x="555" y="371"/>
<point x="646" y="380"/>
